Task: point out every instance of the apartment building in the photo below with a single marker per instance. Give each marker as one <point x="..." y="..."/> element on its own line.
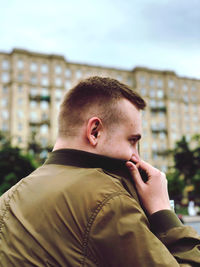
<point x="32" y="86"/>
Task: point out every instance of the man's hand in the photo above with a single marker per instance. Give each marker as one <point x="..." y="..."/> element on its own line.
<point x="153" y="193"/>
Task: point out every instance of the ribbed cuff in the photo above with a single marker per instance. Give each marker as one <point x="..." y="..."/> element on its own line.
<point x="163" y="220"/>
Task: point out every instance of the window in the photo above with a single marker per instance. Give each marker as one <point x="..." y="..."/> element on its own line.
<point x="194" y="107"/>
<point x="153" y="103"/>
<point x="4" y="127"/>
<point x="20" y="126"/>
<point x="58" y="69"/>
<point x="4" y="102"/>
<point x="146" y="156"/>
<point x="44" y="129"/>
<point x="161" y="104"/>
<point x="33" y="116"/>
<point x="20" y="101"/>
<point x="5" y="114"/>
<point x="33" y="91"/>
<point x="20" y="114"/>
<point x="57" y="104"/>
<point x="161" y="114"/>
<point x="186" y="108"/>
<point x="20" y="89"/>
<point x="151" y="82"/>
<point x="67" y="85"/>
<point x="160" y="83"/>
<point x="19" y="139"/>
<point x="142" y="79"/>
<point x="129" y="81"/>
<point x="152" y="93"/>
<point x="162" y="135"/>
<point x="173" y="126"/>
<point x="58" y="81"/>
<point x="170" y="83"/>
<point x="195" y="118"/>
<point x="44" y="81"/>
<point x="185" y="98"/>
<point x="33" y="79"/>
<point x="194" y="98"/>
<point x="193" y="88"/>
<point x="43" y="154"/>
<point x="78" y="74"/>
<point x="119" y="77"/>
<point x="160" y="94"/>
<point x="45" y="116"/>
<point x="143" y="91"/>
<point x="20" y="64"/>
<point x="44" y="142"/>
<point x="145" y="145"/>
<point x="154" y="146"/>
<point x="44" y="68"/>
<point x="5" y="64"/>
<point x="33" y="104"/>
<point x="68" y="73"/>
<point x="20" y="77"/>
<point x="45" y="92"/>
<point x="174" y="136"/>
<point x="33" y="67"/>
<point x="58" y="94"/>
<point x="44" y="105"/>
<point x="185" y="88"/>
<point x="5" y="77"/>
<point x="172" y="94"/>
<point x="5" y="89"/>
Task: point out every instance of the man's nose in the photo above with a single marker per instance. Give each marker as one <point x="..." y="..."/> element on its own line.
<point x="135" y="155"/>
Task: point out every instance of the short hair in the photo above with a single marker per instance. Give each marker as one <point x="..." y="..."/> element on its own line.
<point x="96" y="96"/>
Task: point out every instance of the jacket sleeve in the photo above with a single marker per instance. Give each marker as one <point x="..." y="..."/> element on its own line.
<point x="121" y="235"/>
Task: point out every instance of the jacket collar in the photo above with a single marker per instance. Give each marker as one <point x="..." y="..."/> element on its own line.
<point x="85" y="159"/>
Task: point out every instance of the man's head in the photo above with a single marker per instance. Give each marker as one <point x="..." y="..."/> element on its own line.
<point x="94" y="113"/>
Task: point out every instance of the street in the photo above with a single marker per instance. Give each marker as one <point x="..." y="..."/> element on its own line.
<point x="195" y="225"/>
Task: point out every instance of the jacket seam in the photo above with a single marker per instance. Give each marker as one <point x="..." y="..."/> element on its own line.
<point x="7" y="207"/>
<point x="90" y="222"/>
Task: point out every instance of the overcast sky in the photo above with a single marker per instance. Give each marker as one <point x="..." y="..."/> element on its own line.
<point x="159" y="34"/>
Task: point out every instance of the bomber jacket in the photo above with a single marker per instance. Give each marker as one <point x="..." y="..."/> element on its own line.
<point x="82" y="209"/>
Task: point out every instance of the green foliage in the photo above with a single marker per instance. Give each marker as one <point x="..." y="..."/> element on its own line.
<point x="14" y="165"/>
<point x="186" y="169"/>
<point x="175" y="185"/>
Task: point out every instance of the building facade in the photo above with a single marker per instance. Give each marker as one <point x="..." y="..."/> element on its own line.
<point x="32" y="86"/>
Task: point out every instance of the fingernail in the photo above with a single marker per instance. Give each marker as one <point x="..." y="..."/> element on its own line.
<point x="129" y="165"/>
<point x="134" y="158"/>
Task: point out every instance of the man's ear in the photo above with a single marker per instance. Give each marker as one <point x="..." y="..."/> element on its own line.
<point x="94" y="128"/>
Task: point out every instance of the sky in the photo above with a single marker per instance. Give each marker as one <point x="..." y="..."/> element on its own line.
<point x="157" y="34"/>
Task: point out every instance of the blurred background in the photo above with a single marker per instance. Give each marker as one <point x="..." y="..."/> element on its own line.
<point x="153" y="46"/>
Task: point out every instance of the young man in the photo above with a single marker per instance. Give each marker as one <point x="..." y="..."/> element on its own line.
<point x="88" y="205"/>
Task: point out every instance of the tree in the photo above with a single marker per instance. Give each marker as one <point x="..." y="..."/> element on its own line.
<point x="186" y="169"/>
<point x="14" y="165"/>
<point x="175" y="185"/>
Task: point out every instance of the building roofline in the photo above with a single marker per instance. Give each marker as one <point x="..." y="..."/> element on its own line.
<point x="169" y="72"/>
<point x="98" y="66"/>
<point x="165" y="72"/>
<point x="61" y="57"/>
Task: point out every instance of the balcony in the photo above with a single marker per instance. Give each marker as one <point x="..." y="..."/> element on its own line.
<point x="158" y="129"/>
<point x="39" y="98"/>
<point x="39" y="122"/>
<point x="158" y="109"/>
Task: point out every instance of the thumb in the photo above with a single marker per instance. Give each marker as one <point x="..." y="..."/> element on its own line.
<point x="135" y="174"/>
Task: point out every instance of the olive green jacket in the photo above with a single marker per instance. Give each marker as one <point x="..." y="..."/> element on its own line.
<point x="81" y="209"/>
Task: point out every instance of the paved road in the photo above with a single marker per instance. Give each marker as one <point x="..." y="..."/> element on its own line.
<point x="195" y="225"/>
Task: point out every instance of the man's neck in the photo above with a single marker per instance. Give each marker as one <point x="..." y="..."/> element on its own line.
<point x="71" y="143"/>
